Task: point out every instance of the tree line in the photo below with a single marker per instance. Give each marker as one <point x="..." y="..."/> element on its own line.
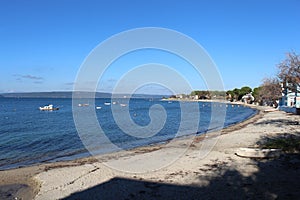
<point x="286" y="80"/>
<point x="269" y="92"/>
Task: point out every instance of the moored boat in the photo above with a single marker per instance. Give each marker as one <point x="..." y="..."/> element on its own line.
<point x="49" y="107"/>
<point x="83" y="104"/>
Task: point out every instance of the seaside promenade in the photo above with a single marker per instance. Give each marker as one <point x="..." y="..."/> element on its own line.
<point x="220" y="175"/>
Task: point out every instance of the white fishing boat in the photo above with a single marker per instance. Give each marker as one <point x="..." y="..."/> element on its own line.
<point x="83" y="104"/>
<point x="98" y="107"/>
<point x="107" y="103"/>
<point x="123" y="105"/>
<point x="49" y="107"/>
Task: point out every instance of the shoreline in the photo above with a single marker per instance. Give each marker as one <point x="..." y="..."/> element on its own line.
<point x="221" y="173"/>
<point x="165" y="141"/>
<point x="21" y="182"/>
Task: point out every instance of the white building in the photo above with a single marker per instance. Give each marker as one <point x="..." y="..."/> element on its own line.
<point x="289" y="99"/>
<point x="247" y="98"/>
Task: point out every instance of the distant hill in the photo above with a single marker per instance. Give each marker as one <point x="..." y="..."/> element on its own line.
<point x="70" y="94"/>
<point x="50" y="95"/>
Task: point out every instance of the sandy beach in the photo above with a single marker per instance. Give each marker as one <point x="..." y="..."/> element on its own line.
<point x="221" y="174"/>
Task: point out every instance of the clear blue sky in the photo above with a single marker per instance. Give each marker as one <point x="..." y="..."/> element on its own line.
<point x="43" y="43"/>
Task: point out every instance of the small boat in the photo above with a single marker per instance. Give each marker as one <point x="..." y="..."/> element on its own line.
<point x="122" y="104"/>
<point x="98" y="107"/>
<point x="49" y="107"/>
<point x="107" y="103"/>
<point x="114" y="103"/>
<point x="83" y="104"/>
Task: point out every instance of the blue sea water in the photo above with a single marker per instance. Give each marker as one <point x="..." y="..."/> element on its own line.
<point x="30" y="136"/>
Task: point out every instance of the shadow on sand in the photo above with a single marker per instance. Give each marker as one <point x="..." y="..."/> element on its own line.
<point x="275" y="179"/>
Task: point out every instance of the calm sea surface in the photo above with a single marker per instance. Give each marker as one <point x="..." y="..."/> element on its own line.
<point x="29" y="136"/>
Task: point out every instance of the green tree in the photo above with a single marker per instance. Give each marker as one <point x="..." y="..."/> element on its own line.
<point x="256" y="94"/>
<point x="236" y="93"/>
<point x="201" y="93"/>
<point x="243" y="91"/>
<point x="230" y="95"/>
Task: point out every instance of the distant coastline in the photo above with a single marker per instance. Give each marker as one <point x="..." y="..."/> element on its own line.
<point x="197" y="100"/>
<point x="69" y="94"/>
